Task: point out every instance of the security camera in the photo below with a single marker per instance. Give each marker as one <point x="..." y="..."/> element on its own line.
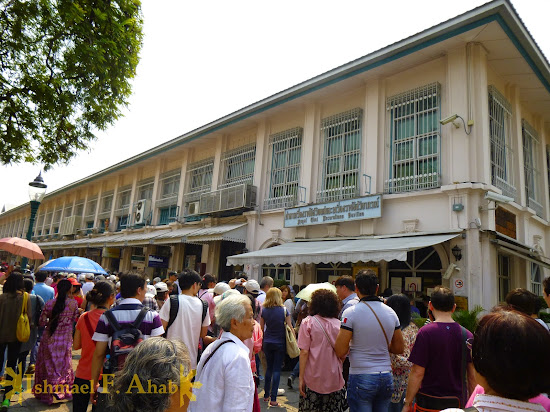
<point x="449" y="119"/>
<point x="495" y="197"/>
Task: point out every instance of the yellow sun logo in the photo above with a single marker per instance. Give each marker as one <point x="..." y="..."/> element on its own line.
<point x="186" y="386"/>
<point x="16" y="383"/>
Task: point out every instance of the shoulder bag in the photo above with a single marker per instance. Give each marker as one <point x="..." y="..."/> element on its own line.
<point x="380" y="323"/>
<point x="292" y="348"/>
<point x="23" y="330"/>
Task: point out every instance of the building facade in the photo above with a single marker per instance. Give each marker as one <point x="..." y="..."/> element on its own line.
<point x="427" y="161"/>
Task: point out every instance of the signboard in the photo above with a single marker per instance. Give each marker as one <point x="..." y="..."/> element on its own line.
<point x="367" y="207"/>
<point x="458" y="285"/>
<point x="413" y="284"/>
<point x="111" y="252"/>
<point x="158" y="261"/>
<point x="461" y="303"/>
<point x="137" y="259"/>
<point x="395" y="285"/>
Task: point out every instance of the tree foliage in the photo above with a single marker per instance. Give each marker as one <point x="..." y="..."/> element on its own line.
<point x="65" y="71"/>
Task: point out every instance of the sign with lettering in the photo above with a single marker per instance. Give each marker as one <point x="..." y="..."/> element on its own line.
<point x="368" y="207"/>
<point x="158" y="261"/>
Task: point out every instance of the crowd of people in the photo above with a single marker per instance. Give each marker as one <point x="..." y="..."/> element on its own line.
<point x="190" y="343"/>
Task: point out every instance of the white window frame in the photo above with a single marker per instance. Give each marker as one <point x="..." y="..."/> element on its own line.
<point x="503" y="277"/>
<point x="238" y="166"/>
<point x="531" y="151"/>
<point x="342" y="136"/>
<point x="124" y="199"/>
<point x="502" y="153"/>
<point x="199" y="175"/>
<point x="285" y="151"/>
<point x="169" y="184"/>
<point x="91" y="207"/>
<point x="145" y="187"/>
<point x="537" y="274"/>
<point x="414" y="139"/>
<point x="277" y="271"/>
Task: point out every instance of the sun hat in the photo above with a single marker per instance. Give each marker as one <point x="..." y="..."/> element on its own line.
<point x="219" y="298"/>
<point x="161" y="287"/>
<point x="219" y="288"/>
<point x="252" y="286"/>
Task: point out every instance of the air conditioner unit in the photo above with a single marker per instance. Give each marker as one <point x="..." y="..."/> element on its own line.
<point x="140" y="213"/>
<point x="193" y="208"/>
<point x="235" y="197"/>
<point x="70" y="225"/>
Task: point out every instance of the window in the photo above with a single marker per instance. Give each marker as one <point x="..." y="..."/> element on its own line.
<point x="68" y="212"/>
<point x="200" y="178"/>
<point x="124" y="198"/>
<point x="415" y="140"/>
<point x="531" y="151"/>
<point x="277" y="272"/>
<point x="286" y="150"/>
<point x="502" y="155"/>
<point x="238" y="166"/>
<point x="57" y="216"/>
<point x="79" y="209"/>
<point x="170" y="185"/>
<point x="327" y="272"/>
<point x="122" y="222"/>
<point x="341" y="156"/>
<point x="91" y="207"/>
<point x="106" y="203"/>
<point x="145" y="189"/>
<point x="167" y="214"/>
<point x="536" y="279"/>
<point x="504" y="269"/>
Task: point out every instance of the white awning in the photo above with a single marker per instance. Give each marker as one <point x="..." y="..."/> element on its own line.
<point x="326" y="251"/>
<point x="230" y="232"/>
<point x="140" y="238"/>
<point x="174" y="236"/>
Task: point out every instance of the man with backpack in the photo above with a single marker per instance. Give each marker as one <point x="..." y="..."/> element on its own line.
<point x="185" y="317"/>
<point x="120" y="329"/>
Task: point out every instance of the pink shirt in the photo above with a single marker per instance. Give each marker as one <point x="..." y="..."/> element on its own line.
<point x="254" y="344"/>
<point x="541" y="399"/>
<point x="323" y="372"/>
<point x="206" y="296"/>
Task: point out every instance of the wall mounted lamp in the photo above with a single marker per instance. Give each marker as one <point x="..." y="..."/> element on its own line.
<point x="452" y="118"/>
<point x="457" y="252"/>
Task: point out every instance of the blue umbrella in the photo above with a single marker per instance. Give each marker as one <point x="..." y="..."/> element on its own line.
<point x="75" y="264"/>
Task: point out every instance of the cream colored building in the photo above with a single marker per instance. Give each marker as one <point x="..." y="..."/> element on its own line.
<point x="350" y="169"/>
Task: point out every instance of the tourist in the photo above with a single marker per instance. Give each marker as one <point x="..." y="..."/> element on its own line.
<point x="54" y="374"/>
<point x="11" y="304"/>
<point x="322" y="387"/>
<point x="100" y="298"/>
<point x="162" y="293"/>
<point x="273" y="320"/>
<point x="265" y="284"/>
<point x="37" y="304"/>
<point x="206" y="295"/>
<point x="287" y="299"/>
<point x="151" y="378"/>
<point x="400" y="365"/>
<point x="224" y="369"/>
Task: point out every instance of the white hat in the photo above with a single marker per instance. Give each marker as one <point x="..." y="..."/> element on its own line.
<point x="161" y="287"/>
<point x="112" y="278"/>
<point x="252" y="286"/>
<point x="219" y="298"/>
<point x="219" y="288"/>
<point x="90" y="276"/>
<point x="151" y="291"/>
<point x="156" y="280"/>
<point x="81" y="277"/>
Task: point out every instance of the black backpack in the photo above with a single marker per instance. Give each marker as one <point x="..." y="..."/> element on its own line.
<point x="175" y="307"/>
<point x="123" y="341"/>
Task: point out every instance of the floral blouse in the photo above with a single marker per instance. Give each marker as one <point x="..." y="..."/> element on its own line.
<point x="400" y="365"/>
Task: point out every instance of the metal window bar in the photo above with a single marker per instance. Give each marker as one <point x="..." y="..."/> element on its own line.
<point x="415" y="139"/>
<point x="503" y="276"/>
<point x="531" y="148"/>
<point x="200" y="178"/>
<point x="536" y="279"/>
<point x="145" y="189"/>
<point x="68" y="211"/>
<point x="123" y="202"/>
<point x="341" y="156"/>
<point x="91" y="207"/>
<point x="286" y="152"/>
<point x="169" y="184"/>
<point x="502" y="154"/>
<point x="238" y="166"/>
<point x="57" y="216"/>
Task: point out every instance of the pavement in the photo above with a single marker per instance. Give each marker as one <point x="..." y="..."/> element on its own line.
<point x="288" y="401"/>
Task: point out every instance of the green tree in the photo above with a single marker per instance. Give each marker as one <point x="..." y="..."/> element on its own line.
<point x="65" y="71"/>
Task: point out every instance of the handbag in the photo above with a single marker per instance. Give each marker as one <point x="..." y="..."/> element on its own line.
<point x="23" y="330"/>
<point x="292" y="349"/>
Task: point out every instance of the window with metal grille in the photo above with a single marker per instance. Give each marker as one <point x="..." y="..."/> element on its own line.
<point x="68" y="212"/>
<point x="341" y="156"/>
<point x="57" y="216"/>
<point x="169" y="184"/>
<point x="531" y="150"/>
<point x="106" y="203"/>
<point x="415" y="139"/>
<point x="200" y="178"/>
<point x="536" y="279"/>
<point x="502" y="155"/>
<point x="504" y="272"/>
<point x="238" y="166"/>
<point x="286" y="151"/>
<point x="124" y="198"/>
<point x="277" y="272"/>
<point x="91" y="207"/>
<point x="145" y="189"/>
<point x="122" y="222"/>
<point x="79" y="209"/>
<point x="167" y="214"/>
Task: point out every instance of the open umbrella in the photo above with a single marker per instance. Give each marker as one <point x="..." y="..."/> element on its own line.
<point x="42" y="265"/>
<point x="21" y="247"/>
<point x="305" y="293"/>
<point x="74" y="264"/>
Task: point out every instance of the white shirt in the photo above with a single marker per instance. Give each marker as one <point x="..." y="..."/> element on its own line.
<point x="227" y="382"/>
<point x="490" y="403"/>
<point x="187" y="325"/>
<point x="87" y="286"/>
<point x="539" y="320"/>
<point x="261" y="297"/>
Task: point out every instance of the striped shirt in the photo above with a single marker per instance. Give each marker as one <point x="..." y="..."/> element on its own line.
<point x="125" y="313"/>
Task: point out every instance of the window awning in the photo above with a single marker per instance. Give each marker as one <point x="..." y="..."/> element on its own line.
<point x="174" y="236"/>
<point x="352" y="250"/>
<point x="513" y="247"/>
<point x="56" y="244"/>
<point x="141" y="238"/>
<point x="230" y="232"/>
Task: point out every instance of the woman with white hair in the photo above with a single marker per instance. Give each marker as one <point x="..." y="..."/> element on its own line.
<point x="224" y="369"/>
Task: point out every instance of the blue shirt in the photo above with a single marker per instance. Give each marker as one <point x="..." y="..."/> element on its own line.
<point x="44" y="291"/>
<point x="274" y="319"/>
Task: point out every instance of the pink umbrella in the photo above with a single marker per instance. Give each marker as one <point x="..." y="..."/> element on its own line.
<point x="21" y="247"/>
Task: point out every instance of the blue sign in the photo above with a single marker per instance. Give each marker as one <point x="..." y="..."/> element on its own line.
<point x="158" y="261"/>
<point x="368" y="207"/>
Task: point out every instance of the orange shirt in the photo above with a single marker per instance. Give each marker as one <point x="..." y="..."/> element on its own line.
<point x="84" y="368"/>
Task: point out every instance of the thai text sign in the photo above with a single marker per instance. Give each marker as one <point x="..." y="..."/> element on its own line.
<point x="158" y="261"/>
<point x="367" y="207"/>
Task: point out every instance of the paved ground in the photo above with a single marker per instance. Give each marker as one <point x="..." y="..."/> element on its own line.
<point x="288" y="401"/>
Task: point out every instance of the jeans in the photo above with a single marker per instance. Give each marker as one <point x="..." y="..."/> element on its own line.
<point x="274" y="354"/>
<point x="370" y="392"/>
<point x="34" y="350"/>
<point x="296" y="371"/>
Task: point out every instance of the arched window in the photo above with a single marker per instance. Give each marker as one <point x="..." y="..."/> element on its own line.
<point x="424" y="263"/>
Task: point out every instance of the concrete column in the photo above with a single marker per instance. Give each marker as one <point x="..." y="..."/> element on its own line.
<point x="98" y="204"/>
<point x="517" y="145"/>
<point x="261" y="169"/>
<point x="112" y="223"/>
<point x="178" y="253"/>
<point x="217" y="170"/>
<point x="183" y="182"/>
<point x="213" y="262"/>
<point x="309" y="167"/>
<point x="133" y="194"/>
<point x="155" y="193"/>
<point x="373" y="134"/>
